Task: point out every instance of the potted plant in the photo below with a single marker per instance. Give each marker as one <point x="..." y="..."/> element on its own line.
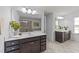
<point x="15" y="25"/>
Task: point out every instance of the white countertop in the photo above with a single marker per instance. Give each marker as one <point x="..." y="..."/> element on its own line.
<point x="59" y="30"/>
<point x="25" y="35"/>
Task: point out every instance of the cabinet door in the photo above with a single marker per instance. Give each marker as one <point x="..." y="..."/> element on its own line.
<point x="25" y="48"/>
<point x="59" y="36"/>
<point x="35" y="46"/>
<point x="65" y="36"/>
<point x="35" y="49"/>
<point x="15" y="51"/>
<point x="30" y="47"/>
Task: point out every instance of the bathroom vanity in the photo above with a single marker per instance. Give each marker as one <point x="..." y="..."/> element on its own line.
<point x="62" y="36"/>
<point x="33" y="38"/>
<point x="30" y="44"/>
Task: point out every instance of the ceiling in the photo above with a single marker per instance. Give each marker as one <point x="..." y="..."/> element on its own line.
<point x="58" y="10"/>
<point x="62" y="10"/>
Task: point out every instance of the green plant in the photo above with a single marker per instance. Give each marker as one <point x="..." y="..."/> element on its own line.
<point x="15" y="25"/>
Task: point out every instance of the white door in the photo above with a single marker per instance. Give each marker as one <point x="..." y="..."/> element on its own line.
<point x="5" y="16"/>
<point x="1" y="35"/>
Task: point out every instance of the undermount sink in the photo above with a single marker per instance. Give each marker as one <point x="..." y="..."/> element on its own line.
<point x="29" y="34"/>
<point x="23" y="35"/>
<point x="16" y="36"/>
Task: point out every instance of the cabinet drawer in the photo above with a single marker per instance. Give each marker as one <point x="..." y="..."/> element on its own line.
<point x="11" y="43"/>
<point x="25" y="48"/>
<point x="44" y="36"/>
<point x="43" y="43"/>
<point x="29" y="39"/>
<point x="43" y="40"/>
<point x="30" y="47"/>
<point x="11" y="48"/>
<point x="35" y="49"/>
<point x="32" y="43"/>
<point x="16" y="51"/>
<point x="43" y="48"/>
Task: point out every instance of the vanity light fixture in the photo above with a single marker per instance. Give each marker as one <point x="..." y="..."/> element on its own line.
<point x="29" y="11"/>
<point x="60" y="17"/>
<point x="24" y="10"/>
<point x="34" y="12"/>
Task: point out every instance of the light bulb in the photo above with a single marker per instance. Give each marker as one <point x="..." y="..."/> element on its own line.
<point x="59" y="17"/>
<point x="34" y="12"/>
<point x="29" y="11"/>
<point x="24" y="10"/>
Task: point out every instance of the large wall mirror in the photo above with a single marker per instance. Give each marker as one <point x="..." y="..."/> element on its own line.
<point x="30" y="19"/>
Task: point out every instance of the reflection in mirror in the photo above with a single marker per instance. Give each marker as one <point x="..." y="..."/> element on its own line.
<point x="56" y="24"/>
<point x="29" y="21"/>
<point x="61" y="23"/>
<point x="30" y="24"/>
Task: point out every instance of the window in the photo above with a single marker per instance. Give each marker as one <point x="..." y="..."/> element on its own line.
<point x="76" y="25"/>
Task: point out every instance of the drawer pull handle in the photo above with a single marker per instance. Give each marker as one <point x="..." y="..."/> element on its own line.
<point x="13" y="43"/>
<point x="32" y="43"/>
<point x="12" y="48"/>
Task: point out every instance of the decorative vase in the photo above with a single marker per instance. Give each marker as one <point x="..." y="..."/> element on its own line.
<point x="15" y="33"/>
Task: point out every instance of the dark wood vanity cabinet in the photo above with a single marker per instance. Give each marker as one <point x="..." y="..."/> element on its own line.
<point x="12" y="46"/>
<point x="26" y="45"/>
<point x="43" y="43"/>
<point x="59" y="36"/>
<point x="30" y="45"/>
<point x="62" y="36"/>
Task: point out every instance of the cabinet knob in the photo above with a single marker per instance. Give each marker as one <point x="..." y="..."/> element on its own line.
<point x="32" y="43"/>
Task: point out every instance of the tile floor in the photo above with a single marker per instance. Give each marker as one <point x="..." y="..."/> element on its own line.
<point x="69" y="46"/>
